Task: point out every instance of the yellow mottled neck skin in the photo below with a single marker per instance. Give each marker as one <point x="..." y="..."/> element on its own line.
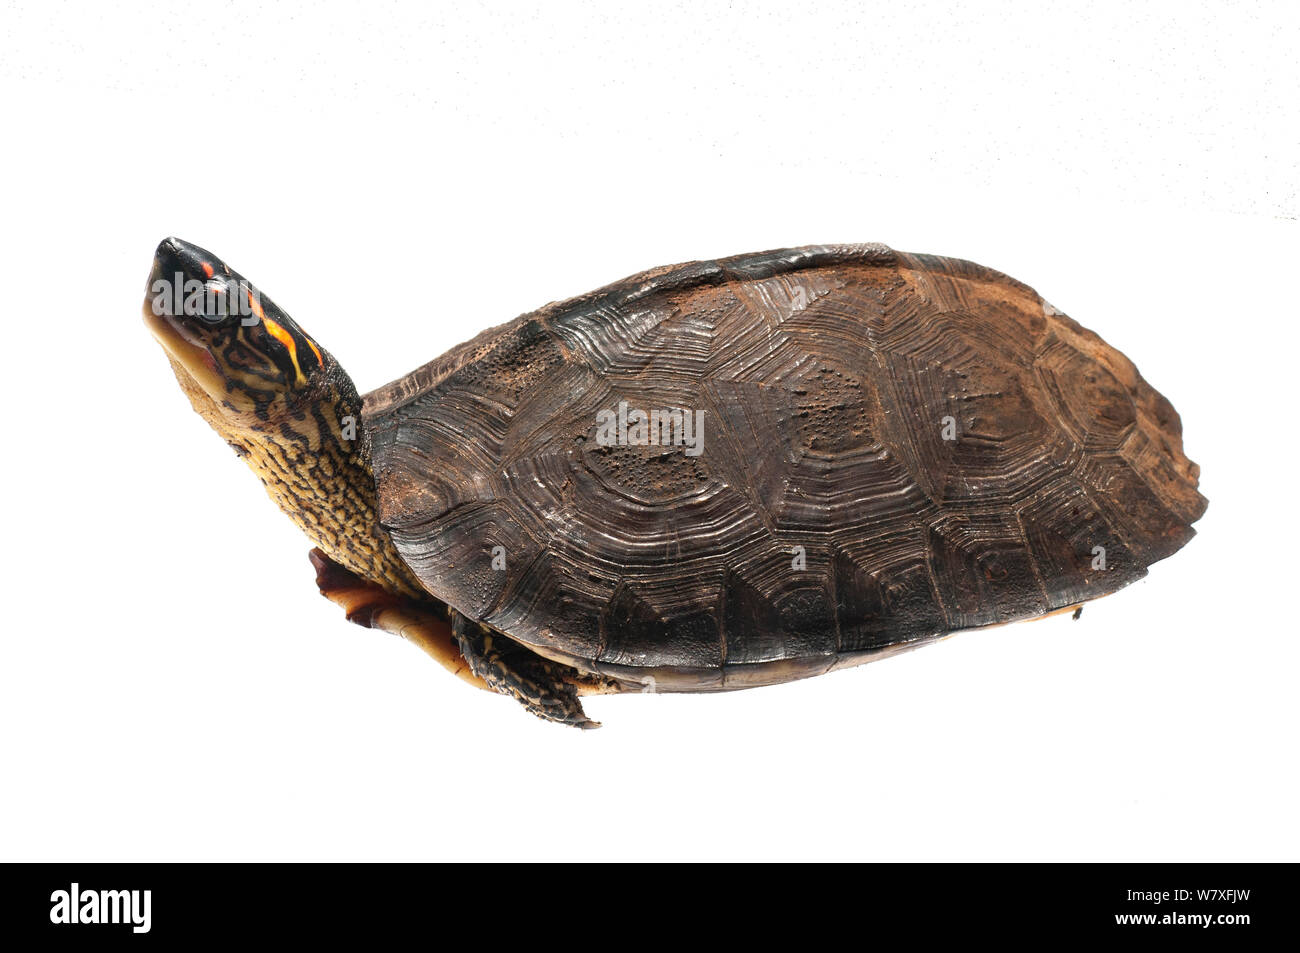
<point x="317" y="476"/>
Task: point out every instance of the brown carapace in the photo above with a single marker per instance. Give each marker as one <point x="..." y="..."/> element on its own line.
<point x="733" y="473"/>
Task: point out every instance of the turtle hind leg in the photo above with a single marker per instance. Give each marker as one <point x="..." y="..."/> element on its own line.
<point x="543" y="687"/>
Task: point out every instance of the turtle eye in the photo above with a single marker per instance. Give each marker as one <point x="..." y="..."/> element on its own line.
<point x="216" y="301"/>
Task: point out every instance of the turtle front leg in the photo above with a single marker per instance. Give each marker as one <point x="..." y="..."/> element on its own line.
<point x="471" y="652"/>
<point x="545" y="688"/>
<point x="424" y="623"/>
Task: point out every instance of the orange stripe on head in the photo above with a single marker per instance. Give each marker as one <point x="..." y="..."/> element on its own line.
<point x="315" y="350"/>
<point x="208" y="270"/>
<point x="285" y="338"/>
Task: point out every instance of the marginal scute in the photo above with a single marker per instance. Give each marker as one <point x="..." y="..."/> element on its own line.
<point x="1066" y="532"/>
<point x="633" y="630"/>
<point x="895" y="447"/>
<point x="887" y="600"/>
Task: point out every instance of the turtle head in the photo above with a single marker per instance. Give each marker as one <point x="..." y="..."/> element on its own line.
<point x="279" y="399"/>
<point x="227" y="341"/>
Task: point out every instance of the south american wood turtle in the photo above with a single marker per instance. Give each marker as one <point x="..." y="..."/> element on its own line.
<point x="708" y="476"/>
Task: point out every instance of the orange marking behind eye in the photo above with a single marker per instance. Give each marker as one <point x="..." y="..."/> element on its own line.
<point x="257" y="306"/>
<point x="279" y="333"/>
<point x="315" y="350"/>
<point x="208" y="270"/>
<point x="285" y="338"/>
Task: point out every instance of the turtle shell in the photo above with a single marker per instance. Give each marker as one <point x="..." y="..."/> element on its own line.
<point x="894" y="447"/>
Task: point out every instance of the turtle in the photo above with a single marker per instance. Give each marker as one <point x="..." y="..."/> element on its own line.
<point x="709" y="476"/>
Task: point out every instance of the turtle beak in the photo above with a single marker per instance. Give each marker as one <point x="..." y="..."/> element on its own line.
<point x="170" y="256"/>
<point x="172" y="266"/>
<point x="177" y="256"/>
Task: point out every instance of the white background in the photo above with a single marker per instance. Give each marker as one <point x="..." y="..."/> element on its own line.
<point x="171" y="685"/>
